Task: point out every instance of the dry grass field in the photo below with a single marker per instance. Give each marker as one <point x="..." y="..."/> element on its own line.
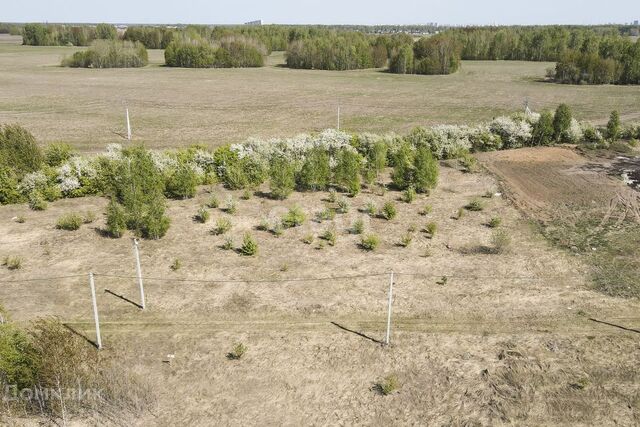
<point x="506" y="339"/>
<point x="175" y="107"/>
<point x="480" y="337"/>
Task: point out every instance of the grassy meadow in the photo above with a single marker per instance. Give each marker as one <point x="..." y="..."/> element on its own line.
<point x="175" y="107"/>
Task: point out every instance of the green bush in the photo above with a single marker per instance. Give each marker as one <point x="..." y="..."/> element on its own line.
<point x="370" y="208"/>
<point x="343" y="206"/>
<point x="475" y="205"/>
<point x="331" y="51"/>
<point x="228" y="244"/>
<point x="249" y="245"/>
<point x="89" y="217"/>
<point x="388" y="385"/>
<point x="12" y="262"/>
<point x="282" y="177"/>
<point x="495" y="222"/>
<point x="237" y="51"/>
<point x="388" y="211"/>
<point x="136" y="183"/>
<point x="37" y="202"/>
<point x="202" y="215"/>
<point x="426" y="210"/>
<point x="409" y="195"/>
<point x="181" y="183"/>
<point x="316" y="171"/>
<point x="425" y="170"/>
<point x="330" y="236"/>
<point x="327" y="214"/>
<point x="8" y="186"/>
<point x="562" y="123"/>
<point x="406" y="240"/>
<point x="222" y="226"/>
<point x="57" y="154"/>
<point x="543" y="130"/>
<point x="294" y="218"/>
<point x="369" y="242"/>
<point x="232" y="206"/>
<point x="213" y="202"/>
<point x="69" y="222"/>
<point x="237" y="352"/>
<point x="176" y="265"/>
<point x="431" y="229"/>
<point x="358" y="226"/>
<point x="116" y="219"/>
<point x="109" y="54"/>
<point x="403" y="168"/>
<point x="347" y="171"/>
<point x="19" y="151"/>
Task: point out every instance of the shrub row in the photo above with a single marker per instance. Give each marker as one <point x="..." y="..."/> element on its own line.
<point x="109" y="54"/>
<point x="236" y="51"/>
<point x="138" y="180"/>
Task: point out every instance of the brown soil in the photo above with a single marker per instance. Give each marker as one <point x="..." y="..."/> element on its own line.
<point x="541" y="180"/>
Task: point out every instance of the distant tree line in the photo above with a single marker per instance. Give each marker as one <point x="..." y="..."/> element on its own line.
<point x="66" y="35"/>
<point x="592" y="55"/>
<point x="13" y="29"/>
<point x="336" y="51"/>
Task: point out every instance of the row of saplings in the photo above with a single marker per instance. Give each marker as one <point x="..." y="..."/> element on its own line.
<point x="137" y="198"/>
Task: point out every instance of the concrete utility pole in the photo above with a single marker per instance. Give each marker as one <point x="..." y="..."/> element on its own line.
<point x="139" y="273"/>
<point x="92" y="285"/>
<point x="386" y="339"/>
<point x="128" y="125"/>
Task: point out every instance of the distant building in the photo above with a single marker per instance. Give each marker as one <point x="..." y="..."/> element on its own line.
<point x="258" y="22"/>
<point x="635" y="22"/>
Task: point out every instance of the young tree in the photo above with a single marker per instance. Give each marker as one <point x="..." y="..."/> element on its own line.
<point x="613" y="126"/>
<point x="106" y="31"/>
<point x="543" y="131"/>
<point x="347" y="171"/>
<point x="403" y="168"/>
<point x="561" y="122"/>
<point x="402" y="60"/>
<point x="138" y="186"/>
<point x="282" y="177"/>
<point x="425" y="170"/>
<point x="316" y="171"/>
<point x="181" y="184"/>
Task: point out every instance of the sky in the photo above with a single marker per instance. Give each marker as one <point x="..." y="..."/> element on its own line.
<point x="447" y="12"/>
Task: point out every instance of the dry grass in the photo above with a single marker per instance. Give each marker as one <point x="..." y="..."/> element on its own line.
<point x="444" y="336"/>
<point x="171" y="107"/>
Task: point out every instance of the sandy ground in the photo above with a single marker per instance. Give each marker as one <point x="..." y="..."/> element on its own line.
<point x="507" y="340"/>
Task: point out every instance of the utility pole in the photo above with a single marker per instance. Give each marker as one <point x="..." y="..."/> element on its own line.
<point x="128" y="124"/>
<point x="139" y="273"/>
<point x="386" y="339"/>
<point x="95" y="311"/>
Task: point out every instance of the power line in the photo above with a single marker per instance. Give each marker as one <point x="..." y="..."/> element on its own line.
<point x="42" y="279"/>
<point x="298" y="279"/>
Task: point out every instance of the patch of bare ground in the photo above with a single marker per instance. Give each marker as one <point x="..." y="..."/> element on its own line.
<point x="505" y="339"/>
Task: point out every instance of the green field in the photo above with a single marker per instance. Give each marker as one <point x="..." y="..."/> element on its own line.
<point x="173" y="107"/>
